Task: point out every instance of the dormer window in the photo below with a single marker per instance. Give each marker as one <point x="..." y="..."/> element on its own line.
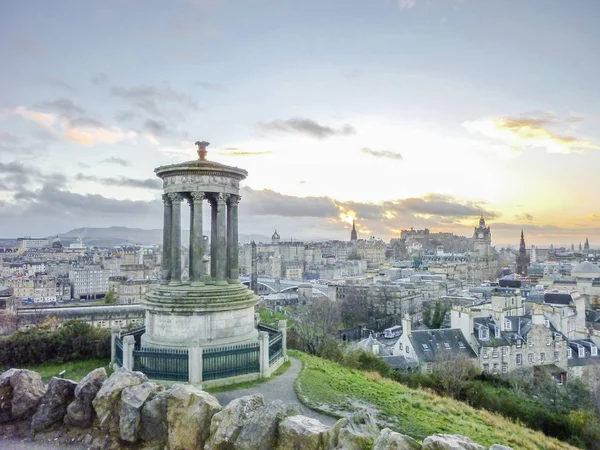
<point x="547" y="323"/>
<point x="580" y="351"/>
<point x="425" y="347"/>
<point x="484" y="334"/>
<point x="570" y="353"/>
<point x="497" y="333"/>
<point x="507" y="324"/>
<point x="594" y="350"/>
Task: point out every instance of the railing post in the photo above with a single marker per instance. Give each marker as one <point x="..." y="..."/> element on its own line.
<point x="114" y="333"/>
<point x="283" y="329"/>
<point x="128" y="345"/>
<point x="263" y="340"/>
<point x="195" y="362"/>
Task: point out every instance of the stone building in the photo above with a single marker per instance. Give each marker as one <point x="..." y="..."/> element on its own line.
<point x="37" y="289"/>
<point x="130" y="291"/>
<point x="483" y="264"/>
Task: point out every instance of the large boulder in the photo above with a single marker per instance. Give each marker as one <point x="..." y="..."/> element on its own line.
<point x="227" y="424"/>
<point x="80" y="413"/>
<point x="53" y="405"/>
<point x="390" y="440"/>
<point x="261" y="429"/>
<point x="450" y="442"/>
<point x="107" y="402"/>
<point x="356" y="432"/>
<point x="154" y="418"/>
<point x="301" y="432"/>
<point x="189" y="413"/>
<point x="132" y="401"/>
<point x="20" y="393"/>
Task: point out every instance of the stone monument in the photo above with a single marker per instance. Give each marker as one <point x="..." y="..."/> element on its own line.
<point x="212" y="307"/>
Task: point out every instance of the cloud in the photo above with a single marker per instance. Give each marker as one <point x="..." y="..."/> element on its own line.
<point x="406" y="4"/>
<point x="234" y="151"/>
<point x="524" y="217"/>
<point x="211" y="86"/>
<point x="153" y="100"/>
<point x="16" y="176"/>
<point x="116" y="161"/>
<point x="60" y="84"/>
<point x="99" y="78"/>
<point x="125" y="116"/>
<point x="83" y="131"/>
<point x="156" y="127"/>
<point x="62" y="106"/>
<point x="304" y="126"/>
<point x="148" y="183"/>
<point x="532" y="132"/>
<point x="382" y="153"/>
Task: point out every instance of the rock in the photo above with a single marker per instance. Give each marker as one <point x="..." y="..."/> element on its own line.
<point x="450" y="442"/>
<point x="189" y="413"/>
<point x="20" y="393"/>
<point x="53" y="405"/>
<point x="353" y="433"/>
<point x="260" y="431"/>
<point x="301" y="432"/>
<point x="227" y="424"/>
<point x="154" y="418"/>
<point x="500" y="447"/>
<point x="88" y="439"/>
<point x="107" y="402"/>
<point x="390" y="440"/>
<point x="132" y="400"/>
<point x="80" y="413"/>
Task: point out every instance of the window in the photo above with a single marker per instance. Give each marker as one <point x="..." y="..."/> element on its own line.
<point x="504" y="367"/>
<point x="542" y="357"/>
<point x="486" y="367"/>
<point x="547" y="323"/>
<point x="461" y="345"/>
<point x="504" y="351"/>
<point x="530" y="343"/>
<point x="484" y="353"/>
<point x="530" y="358"/>
<point x="519" y="359"/>
<point x="519" y="343"/>
<point x="495" y="353"/>
<point x="495" y="371"/>
<point x="446" y="345"/>
<point x="484" y="333"/>
<point x="497" y="333"/>
<point x="407" y="349"/>
<point x="425" y="347"/>
<point x="594" y="350"/>
<point x="555" y="356"/>
<point x="580" y="351"/>
<point x="507" y="324"/>
<point x="570" y="353"/>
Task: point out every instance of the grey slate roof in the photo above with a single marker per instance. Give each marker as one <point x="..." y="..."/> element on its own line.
<point x="554" y="298"/>
<point x="433" y="345"/>
<point x="520" y="326"/>
<point x="585" y="360"/>
<point x="493" y="341"/>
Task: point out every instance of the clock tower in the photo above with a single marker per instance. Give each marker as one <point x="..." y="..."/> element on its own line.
<point x="482" y="239"/>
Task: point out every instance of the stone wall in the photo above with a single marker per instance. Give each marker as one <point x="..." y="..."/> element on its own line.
<point x="125" y="410"/>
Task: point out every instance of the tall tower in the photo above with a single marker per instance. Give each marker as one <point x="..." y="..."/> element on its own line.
<point x="482" y="239"/>
<point x="522" y="259"/>
<point x="586" y="246"/>
<point x="275" y="238"/>
<point x="353" y="234"/>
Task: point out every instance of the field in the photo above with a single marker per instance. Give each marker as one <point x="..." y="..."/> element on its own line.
<point x="337" y="390"/>
<point x="74" y="370"/>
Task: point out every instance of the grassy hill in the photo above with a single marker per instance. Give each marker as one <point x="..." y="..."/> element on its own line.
<point x="332" y="388"/>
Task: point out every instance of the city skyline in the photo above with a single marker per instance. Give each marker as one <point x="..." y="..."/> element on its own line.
<point x="397" y="114"/>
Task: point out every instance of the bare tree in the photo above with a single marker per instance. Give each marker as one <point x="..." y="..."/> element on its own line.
<point x="453" y="370"/>
<point x="320" y="320"/>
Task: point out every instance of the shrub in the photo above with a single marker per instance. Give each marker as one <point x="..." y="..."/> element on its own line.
<point x="74" y="340"/>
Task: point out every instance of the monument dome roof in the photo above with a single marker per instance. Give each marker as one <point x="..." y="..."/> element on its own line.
<point x="586" y="269"/>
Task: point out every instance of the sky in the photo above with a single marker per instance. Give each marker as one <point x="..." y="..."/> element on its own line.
<point x="394" y="113"/>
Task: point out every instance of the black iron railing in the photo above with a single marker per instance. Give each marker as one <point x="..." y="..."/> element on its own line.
<point x="119" y="351"/>
<point x="224" y="362"/>
<point x="162" y="363"/>
<point x="275" y="348"/>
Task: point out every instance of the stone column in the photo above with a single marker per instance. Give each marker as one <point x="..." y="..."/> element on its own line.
<point x="263" y="341"/>
<point x="176" y="199"/>
<point x="213" y="237"/>
<point x="196" y="238"/>
<point x="221" y="248"/>
<point x="165" y="275"/>
<point x="195" y="363"/>
<point x="128" y="346"/>
<point x="232" y="239"/>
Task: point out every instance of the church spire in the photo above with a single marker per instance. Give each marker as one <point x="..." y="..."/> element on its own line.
<point x="353" y="234"/>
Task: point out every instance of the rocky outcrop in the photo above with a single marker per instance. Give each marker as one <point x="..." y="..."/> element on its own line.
<point x="189" y="414"/>
<point x="80" y="413"/>
<point x="227" y="424"/>
<point x="390" y="440"/>
<point x="154" y="418"/>
<point x="261" y="430"/>
<point x="53" y="405"/>
<point x="132" y="401"/>
<point x="450" y="442"/>
<point x="20" y="393"/>
<point x="107" y="402"/>
<point x="301" y="432"/>
<point x="356" y="432"/>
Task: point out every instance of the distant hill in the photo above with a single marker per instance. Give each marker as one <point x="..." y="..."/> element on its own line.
<point x="114" y="236"/>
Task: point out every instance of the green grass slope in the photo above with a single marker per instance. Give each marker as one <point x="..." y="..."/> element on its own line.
<point x="332" y="388"/>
